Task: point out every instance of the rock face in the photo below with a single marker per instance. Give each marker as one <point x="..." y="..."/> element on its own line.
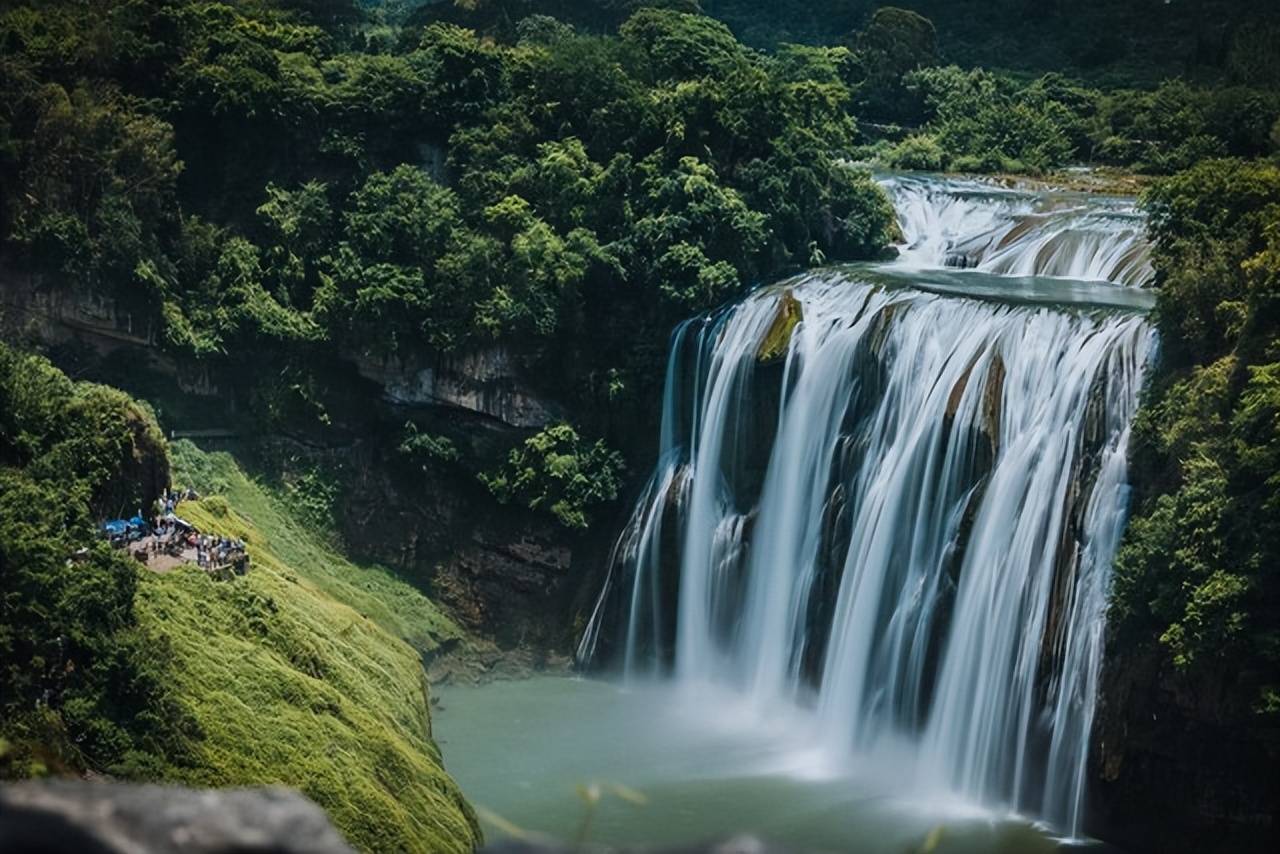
<point x="487" y="382"/>
<point x="498" y="581"/>
<point x="79" y="817"/>
<point x="53" y="314"/>
<point x="31" y="312"/>
<point x="1174" y="769"/>
<point x="504" y="573"/>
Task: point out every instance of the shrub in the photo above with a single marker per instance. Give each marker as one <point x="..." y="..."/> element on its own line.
<point x="557" y="472"/>
<point x="918" y="151"/>
<point x="424" y="449"/>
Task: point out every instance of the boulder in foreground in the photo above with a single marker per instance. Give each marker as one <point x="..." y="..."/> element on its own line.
<point x="80" y="817"/>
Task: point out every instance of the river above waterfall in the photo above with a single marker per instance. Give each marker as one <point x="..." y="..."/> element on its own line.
<point x="1014" y="290"/>
<point x="704" y="767"/>
<point x="958" y="222"/>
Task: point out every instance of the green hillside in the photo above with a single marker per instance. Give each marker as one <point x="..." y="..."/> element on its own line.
<point x="306" y="671"/>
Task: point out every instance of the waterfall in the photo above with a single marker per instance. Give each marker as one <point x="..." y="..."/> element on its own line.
<point x="906" y="523"/>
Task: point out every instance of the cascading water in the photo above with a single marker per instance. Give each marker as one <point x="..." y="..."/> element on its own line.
<point x="906" y="523"/>
<point x="971" y="224"/>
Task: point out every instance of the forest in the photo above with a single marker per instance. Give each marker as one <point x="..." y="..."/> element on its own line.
<point x="277" y="193"/>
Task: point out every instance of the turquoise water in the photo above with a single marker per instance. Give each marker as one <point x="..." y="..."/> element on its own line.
<point x="677" y="768"/>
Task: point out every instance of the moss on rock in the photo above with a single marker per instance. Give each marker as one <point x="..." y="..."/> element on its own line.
<point x="778" y="338"/>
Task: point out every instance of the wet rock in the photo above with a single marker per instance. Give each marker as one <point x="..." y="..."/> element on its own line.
<point x="993" y="401"/>
<point x="957" y="392"/>
<point x="891" y="252"/>
<point x="508" y="583"/>
<point x="880" y="329"/>
<point x="836" y="531"/>
<point x="81" y="817"/>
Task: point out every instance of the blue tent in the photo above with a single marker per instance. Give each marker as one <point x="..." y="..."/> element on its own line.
<point x="116" y="527"/>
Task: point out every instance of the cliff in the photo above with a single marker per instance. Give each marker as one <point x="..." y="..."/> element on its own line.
<point x="1176" y="765"/>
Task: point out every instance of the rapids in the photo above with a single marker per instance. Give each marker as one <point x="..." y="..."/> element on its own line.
<point x="955" y="222"/>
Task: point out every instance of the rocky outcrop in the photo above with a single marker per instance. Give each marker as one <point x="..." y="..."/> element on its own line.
<point x="80" y="817"/>
<point x="53" y="314"/>
<point x="504" y="573"/>
<point x="777" y="340"/>
<point x="487" y="382"/>
<point x="506" y="584"/>
<point x="54" y="318"/>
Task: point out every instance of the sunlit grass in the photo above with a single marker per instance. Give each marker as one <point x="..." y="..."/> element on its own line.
<point x="299" y="672"/>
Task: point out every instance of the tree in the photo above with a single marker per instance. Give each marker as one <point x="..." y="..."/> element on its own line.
<point x="701" y="235"/>
<point x="894" y="42"/>
<point x="681" y="46"/>
<point x="1208" y="222"/>
<point x="983" y="123"/>
<point x="539" y="276"/>
<point x="80" y="684"/>
<point x="100" y="181"/>
<point x="385" y="281"/>
<point x="299" y="228"/>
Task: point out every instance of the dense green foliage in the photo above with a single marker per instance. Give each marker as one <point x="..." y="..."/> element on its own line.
<point x="82" y="681"/>
<point x="426" y="449"/>
<point x="1112" y="42"/>
<point x="909" y="72"/>
<point x="977" y="121"/>
<point x="558" y="472"/>
<point x="971" y="119"/>
<point x="259" y="178"/>
<point x="1123" y="42"/>
<point x="1199" y="567"/>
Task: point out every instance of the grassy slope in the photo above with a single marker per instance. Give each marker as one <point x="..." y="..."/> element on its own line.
<point x="299" y="672"/>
